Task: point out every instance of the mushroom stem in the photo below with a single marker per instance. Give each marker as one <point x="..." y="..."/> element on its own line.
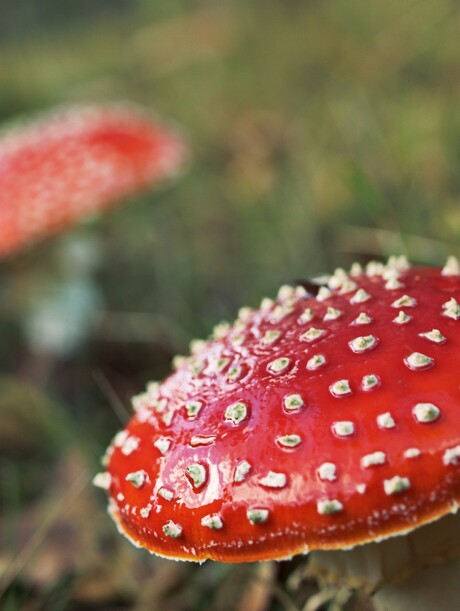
<point x="435" y="587"/>
<point x="419" y="571"/>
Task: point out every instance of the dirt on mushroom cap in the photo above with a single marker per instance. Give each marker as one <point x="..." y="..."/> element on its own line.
<point x="310" y="423"/>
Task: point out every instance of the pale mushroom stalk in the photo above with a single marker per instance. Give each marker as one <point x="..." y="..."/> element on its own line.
<point x="415" y="572"/>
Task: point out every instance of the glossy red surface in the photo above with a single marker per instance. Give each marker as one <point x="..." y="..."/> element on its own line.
<point x="310" y="505"/>
<point x="75" y="162"/>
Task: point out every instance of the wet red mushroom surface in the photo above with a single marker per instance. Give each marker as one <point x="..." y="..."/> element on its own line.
<point x="76" y="161"/>
<point x="313" y="422"/>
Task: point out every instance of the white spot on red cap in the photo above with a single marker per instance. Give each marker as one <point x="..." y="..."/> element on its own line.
<point x="393" y="284"/>
<point x="373" y="459"/>
<point x="212" y="521"/>
<point x="396" y="485"/>
<point x="348" y="286"/>
<point x="402" y="318"/>
<point x="337" y="279"/>
<point x="216" y="366"/>
<point x="274" y="479"/>
<point x="244" y="314"/>
<point x="162" y="444"/>
<point x="451" y="309"/>
<point x="332" y="314"/>
<point x="404" y="302"/>
<point x="370" y="381"/>
<point x="327" y="471"/>
<point x="193" y="408"/>
<point x="361" y="296"/>
<point x="363" y="343"/>
<point x="418" y="361"/>
<point x="270" y="337"/>
<point x="426" y="412"/>
<point x="140" y="402"/>
<point x="452" y="267"/>
<point x="266" y="304"/>
<point x="235" y="373"/>
<point x="168" y="416"/>
<point x="323" y="293"/>
<point x="286" y="292"/>
<point x="343" y="428"/>
<point x="197" y="474"/>
<point x="202" y="440"/>
<point x="145" y="511"/>
<point x="398" y="262"/>
<point x="242" y="470"/>
<point x="386" y="421"/>
<point x="130" y="445"/>
<point x="178" y="362"/>
<point x="236" y="413"/>
<point x="288" y="441"/>
<point x="221" y="330"/>
<point x="197" y="346"/>
<point x="120" y="438"/>
<point x="434" y="336"/>
<point x="362" y="319"/>
<point x="329" y="506"/>
<point x="195" y="366"/>
<point x="341" y="388"/>
<point x="172" y="529"/>
<point x="301" y="292"/>
<point x="316" y="361"/>
<point x="280" y="312"/>
<point x="237" y="340"/>
<point x="279" y="365"/>
<point x="153" y="390"/>
<point x="312" y="334"/>
<point x="166" y="493"/>
<point x="306" y="316"/>
<point x="293" y="403"/>
<point x="257" y="515"/>
<point x="392" y="276"/>
<point x="412" y="453"/>
<point x="137" y="478"/>
<point x="375" y="268"/>
<point x="356" y="269"/>
<point x="102" y="480"/>
<point x="451" y="456"/>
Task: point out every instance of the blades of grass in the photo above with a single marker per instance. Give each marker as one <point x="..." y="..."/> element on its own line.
<point x="117" y="405"/>
<point x="39" y="535"/>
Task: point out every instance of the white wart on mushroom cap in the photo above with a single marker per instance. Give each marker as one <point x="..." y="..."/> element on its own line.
<point x="310" y="423"/>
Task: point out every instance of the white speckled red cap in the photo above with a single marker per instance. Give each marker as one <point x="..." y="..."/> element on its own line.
<point x="76" y="161"/>
<point x="315" y="422"/>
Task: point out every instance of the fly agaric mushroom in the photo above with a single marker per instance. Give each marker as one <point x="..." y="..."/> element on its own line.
<point x="313" y="423"/>
<point x="77" y="161"/>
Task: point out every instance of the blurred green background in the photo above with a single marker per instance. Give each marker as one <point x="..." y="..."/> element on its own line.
<point x="320" y="133"/>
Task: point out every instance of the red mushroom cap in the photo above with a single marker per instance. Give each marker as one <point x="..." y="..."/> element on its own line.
<point x="310" y="423"/>
<point x="76" y="161"/>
